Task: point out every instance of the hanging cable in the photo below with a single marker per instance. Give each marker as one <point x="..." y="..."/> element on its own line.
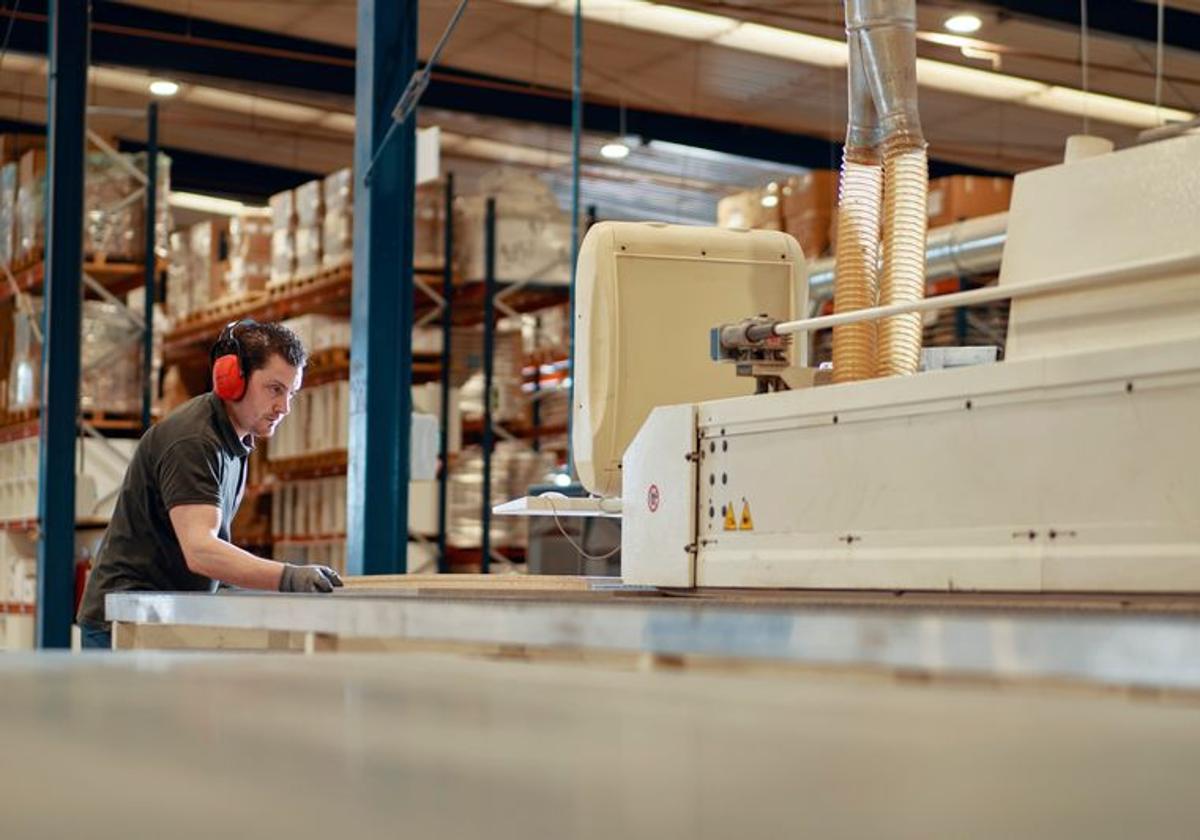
<point x="585" y="555"/>
<point x="1158" y="65"/>
<point x="1083" y="57"/>
<point x="12" y="18"/>
<point x="415" y="89"/>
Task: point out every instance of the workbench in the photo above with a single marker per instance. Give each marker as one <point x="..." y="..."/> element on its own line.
<point x="227" y="745"/>
<point x="1145" y="643"/>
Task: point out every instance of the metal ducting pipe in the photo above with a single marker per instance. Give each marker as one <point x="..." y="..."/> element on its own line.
<point x="973" y="246"/>
<point x="881" y="36"/>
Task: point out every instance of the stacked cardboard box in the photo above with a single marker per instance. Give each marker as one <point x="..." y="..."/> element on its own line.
<point x="208" y="250"/>
<point x="747" y="210"/>
<point x="959" y="197"/>
<point x="249" y="254"/>
<point x="533" y="235"/>
<point x="310" y="214"/>
<point x="429" y="227"/>
<point x="337" y="241"/>
<point x="809" y="205"/>
<point x="283" y="236"/>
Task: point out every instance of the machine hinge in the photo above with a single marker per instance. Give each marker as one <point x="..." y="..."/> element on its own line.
<point x="690" y="548"/>
<point x="692" y="457"/>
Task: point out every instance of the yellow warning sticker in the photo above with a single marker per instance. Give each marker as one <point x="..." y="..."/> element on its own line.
<point x="730" y="522"/>
<point x="746" y="524"/>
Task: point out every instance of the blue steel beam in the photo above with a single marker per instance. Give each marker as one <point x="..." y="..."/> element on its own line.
<point x="447" y="332"/>
<point x="61" y="322"/>
<point x="489" y="372"/>
<point x="382" y="295"/>
<point x="151" y="261"/>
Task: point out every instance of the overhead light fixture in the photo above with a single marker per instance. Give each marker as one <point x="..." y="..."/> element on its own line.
<point x="212" y="204"/>
<point x="615" y="150"/>
<point x="963" y="24"/>
<point x="770" y="200"/>
<point x="164" y="87"/>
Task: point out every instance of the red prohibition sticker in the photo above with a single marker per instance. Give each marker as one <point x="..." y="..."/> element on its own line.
<point x="652" y="498"/>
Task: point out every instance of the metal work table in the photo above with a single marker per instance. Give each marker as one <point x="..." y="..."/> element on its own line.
<point x="234" y="745"/>
<point x="1158" y="651"/>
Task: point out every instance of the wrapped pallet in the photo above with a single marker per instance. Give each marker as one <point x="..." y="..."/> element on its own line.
<point x="310" y="216"/>
<point x="115" y="208"/>
<point x="249" y="253"/>
<point x="179" y="277"/>
<point x="283" y="236"/>
<point x="8" y="212"/>
<point x="533" y="234"/>
<point x="429" y="226"/>
<point x="208" y="246"/>
<point x="337" y="225"/>
<point x="31" y="212"/>
<point x="515" y="468"/>
<point x="110" y="360"/>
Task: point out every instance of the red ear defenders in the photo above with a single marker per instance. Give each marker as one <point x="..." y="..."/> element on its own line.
<point x="228" y="364"/>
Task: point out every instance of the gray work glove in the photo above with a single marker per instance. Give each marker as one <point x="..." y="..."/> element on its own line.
<point x="308" y="579"/>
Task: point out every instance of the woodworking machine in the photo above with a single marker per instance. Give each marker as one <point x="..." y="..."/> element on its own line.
<point x="1072" y="464"/>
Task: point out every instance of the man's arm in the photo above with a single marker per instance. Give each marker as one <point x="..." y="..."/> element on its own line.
<point x="207" y="554"/>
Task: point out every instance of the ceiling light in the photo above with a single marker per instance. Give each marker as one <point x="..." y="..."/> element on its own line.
<point x="615" y="150"/>
<point x="963" y="24"/>
<point x="163" y="87"/>
<point x="770" y="200"/>
<point x="211" y="204"/>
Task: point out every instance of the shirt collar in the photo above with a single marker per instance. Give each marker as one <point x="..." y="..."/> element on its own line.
<point x="235" y="446"/>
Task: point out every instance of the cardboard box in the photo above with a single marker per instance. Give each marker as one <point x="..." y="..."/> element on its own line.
<point x="310" y="205"/>
<point x="12" y="146"/>
<point x="813" y="234"/>
<point x="32" y="167"/>
<point x="959" y="197"/>
<point x="283" y="210"/>
<point x="814" y="193"/>
<point x="746" y="210"/>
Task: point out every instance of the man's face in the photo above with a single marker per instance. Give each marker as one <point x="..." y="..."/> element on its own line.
<point x="268" y="396"/>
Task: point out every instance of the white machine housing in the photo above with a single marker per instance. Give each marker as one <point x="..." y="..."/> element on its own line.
<point x="647" y="295"/>
<point x="1073" y="465"/>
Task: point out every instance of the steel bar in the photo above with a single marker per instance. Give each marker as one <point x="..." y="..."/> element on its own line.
<point x="444" y="397"/>
<point x="61" y="322"/>
<point x="381" y="315"/>
<point x="489" y="370"/>
<point x="151" y="242"/>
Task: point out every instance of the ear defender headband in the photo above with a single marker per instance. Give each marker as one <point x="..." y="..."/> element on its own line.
<point x="228" y="364"/>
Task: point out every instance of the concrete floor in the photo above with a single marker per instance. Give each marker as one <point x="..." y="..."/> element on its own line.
<point x="179" y="745"/>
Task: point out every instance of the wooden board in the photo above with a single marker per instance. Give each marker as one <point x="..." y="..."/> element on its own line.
<point x="499" y="583"/>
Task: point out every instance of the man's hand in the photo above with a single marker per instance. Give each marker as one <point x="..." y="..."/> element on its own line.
<point x="308" y="579"/>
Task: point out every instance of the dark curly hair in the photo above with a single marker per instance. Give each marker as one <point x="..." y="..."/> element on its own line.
<point x="260" y="342"/>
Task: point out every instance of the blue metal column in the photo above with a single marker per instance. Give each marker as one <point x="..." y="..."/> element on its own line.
<point x="489" y="370"/>
<point x="576" y="132"/>
<point x="447" y="324"/>
<point x="61" y="322"/>
<point x="382" y="297"/>
<point x="151" y="261"/>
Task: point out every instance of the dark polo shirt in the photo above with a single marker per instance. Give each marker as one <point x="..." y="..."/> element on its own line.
<point x="192" y="457"/>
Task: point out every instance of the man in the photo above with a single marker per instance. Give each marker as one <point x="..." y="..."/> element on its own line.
<point x="170" y="529"/>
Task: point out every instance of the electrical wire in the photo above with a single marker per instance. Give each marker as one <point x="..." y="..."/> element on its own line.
<point x="12" y="18"/>
<point x="415" y="89"/>
<point x="1158" y="64"/>
<point x="1083" y="57"/>
<point x="585" y="555"/>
